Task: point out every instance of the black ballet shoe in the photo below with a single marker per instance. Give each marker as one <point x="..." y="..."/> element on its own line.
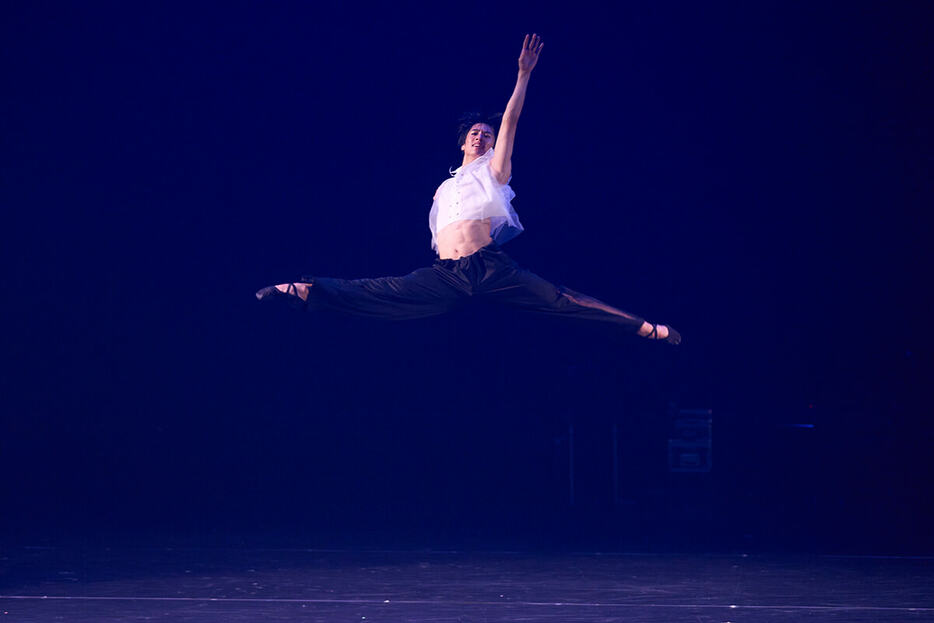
<point x="673" y="337"/>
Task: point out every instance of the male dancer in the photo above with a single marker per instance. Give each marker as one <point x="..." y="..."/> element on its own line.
<point x="469" y="220"/>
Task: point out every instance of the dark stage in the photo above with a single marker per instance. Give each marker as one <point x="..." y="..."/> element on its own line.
<point x="245" y="584"/>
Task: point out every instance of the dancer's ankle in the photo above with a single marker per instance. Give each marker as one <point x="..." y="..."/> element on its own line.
<point x="653" y="331"/>
<point x="300" y="289"/>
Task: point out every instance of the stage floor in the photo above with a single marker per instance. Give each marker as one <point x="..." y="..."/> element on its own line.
<point x="256" y="584"/>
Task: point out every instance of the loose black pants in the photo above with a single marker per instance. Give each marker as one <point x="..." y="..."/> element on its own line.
<point x="447" y="284"/>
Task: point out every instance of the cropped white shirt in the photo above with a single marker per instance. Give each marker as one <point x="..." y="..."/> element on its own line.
<point x="473" y="193"/>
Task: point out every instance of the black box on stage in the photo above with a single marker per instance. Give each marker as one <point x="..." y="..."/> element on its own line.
<point x="689" y="457"/>
<point x="690" y="446"/>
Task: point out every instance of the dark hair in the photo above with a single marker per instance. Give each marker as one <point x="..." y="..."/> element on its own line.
<point x="468" y="120"/>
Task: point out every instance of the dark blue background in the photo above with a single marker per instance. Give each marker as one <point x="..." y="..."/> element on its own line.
<point x="756" y="174"/>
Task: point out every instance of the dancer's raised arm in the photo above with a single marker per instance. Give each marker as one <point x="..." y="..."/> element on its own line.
<point x="502" y="156"/>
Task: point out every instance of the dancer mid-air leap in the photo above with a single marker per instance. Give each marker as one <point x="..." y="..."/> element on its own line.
<point x="471" y="217"/>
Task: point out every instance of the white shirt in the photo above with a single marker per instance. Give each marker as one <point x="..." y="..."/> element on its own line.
<point x="473" y="193"/>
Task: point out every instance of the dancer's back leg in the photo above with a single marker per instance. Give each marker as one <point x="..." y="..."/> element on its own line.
<point x="527" y="291"/>
<point x="517" y="287"/>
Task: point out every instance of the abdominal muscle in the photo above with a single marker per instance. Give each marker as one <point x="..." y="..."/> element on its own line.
<point x="463" y="238"/>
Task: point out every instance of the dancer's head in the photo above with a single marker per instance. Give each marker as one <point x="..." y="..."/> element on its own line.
<point x="476" y="133"/>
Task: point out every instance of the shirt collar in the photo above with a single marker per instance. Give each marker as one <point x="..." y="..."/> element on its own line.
<point x="479" y="161"/>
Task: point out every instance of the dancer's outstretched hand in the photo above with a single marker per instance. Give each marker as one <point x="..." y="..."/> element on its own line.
<point x="531" y="48"/>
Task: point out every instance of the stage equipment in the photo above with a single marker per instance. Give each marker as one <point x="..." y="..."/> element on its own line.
<point x="690" y="445"/>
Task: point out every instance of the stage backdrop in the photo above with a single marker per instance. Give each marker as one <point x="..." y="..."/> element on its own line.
<point x="756" y="175"/>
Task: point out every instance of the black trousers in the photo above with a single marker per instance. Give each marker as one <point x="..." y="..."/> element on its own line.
<point x="447" y="284"/>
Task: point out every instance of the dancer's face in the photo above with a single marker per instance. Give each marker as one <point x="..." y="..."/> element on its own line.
<point x="479" y="140"/>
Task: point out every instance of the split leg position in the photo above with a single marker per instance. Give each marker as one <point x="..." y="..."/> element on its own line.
<point x="470" y="262"/>
<point x="448" y="284"/>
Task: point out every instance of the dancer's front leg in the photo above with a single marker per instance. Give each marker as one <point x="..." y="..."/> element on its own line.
<point x="422" y="293"/>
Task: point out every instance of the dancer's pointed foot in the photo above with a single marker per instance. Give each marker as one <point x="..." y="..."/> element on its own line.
<point x="673" y="336"/>
<point x="662" y="332"/>
<point x="299" y="290"/>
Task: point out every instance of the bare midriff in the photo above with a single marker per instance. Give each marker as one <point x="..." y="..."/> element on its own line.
<point x="463" y="238"/>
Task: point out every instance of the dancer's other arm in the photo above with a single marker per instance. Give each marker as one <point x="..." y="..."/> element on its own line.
<point x="502" y="156"/>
